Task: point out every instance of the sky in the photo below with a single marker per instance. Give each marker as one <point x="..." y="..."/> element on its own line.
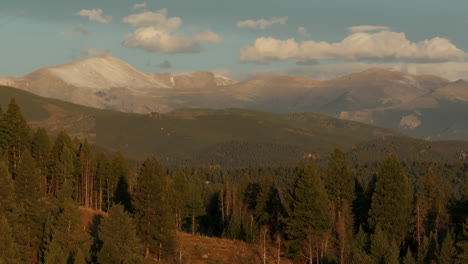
<point x="316" y="38"/>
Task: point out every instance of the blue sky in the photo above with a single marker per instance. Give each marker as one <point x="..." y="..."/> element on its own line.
<point x="239" y="38"/>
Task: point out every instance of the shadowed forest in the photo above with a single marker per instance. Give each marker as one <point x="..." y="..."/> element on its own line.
<point x="323" y="210"/>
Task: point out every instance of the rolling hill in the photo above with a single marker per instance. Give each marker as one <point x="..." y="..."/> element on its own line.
<point x="231" y="137"/>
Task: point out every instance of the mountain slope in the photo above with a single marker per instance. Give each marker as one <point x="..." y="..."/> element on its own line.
<point x="233" y="136"/>
<point x="419" y="105"/>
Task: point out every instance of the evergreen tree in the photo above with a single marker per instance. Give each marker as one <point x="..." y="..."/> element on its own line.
<point x="17" y="134"/>
<point x="409" y="259"/>
<point x="67" y="236"/>
<point x="29" y="222"/>
<point x="120" y="181"/>
<point x="40" y="150"/>
<point x="360" y="248"/>
<point x="8" y="247"/>
<point x="308" y="218"/>
<point x="447" y="250"/>
<point x="154" y="222"/>
<point x="180" y="197"/>
<point x="391" y="206"/>
<point x="382" y="249"/>
<point x="195" y="205"/>
<point x="462" y="245"/>
<point x="119" y="245"/>
<point x="340" y="187"/>
<point x="62" y="162"/>
<point x="7" y="190"/>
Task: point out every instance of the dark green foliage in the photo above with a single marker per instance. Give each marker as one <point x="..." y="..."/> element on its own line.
<point x="383" y="249"/>
<point x="8" y="247"/>
<point x="29" y="217"/>
<point x="447" y="250"/>
<point x="119" y="245"/>
<point x="7" y="191"/>
<point x="409" y="259"/>
<point x="120" y="180"/>
<point x="339" y="181"/>
<point x="154" y="222"/>
<point x="462" y="245"/>
<point x="308" y="214"/>
<point x="17" y="134"/>
<point x="391" y="207"/>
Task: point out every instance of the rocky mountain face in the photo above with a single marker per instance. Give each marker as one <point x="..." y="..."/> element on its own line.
<point x="423" y="106"/>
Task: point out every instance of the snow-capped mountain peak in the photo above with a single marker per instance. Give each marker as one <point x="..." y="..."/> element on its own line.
<point x="103" y="73"/>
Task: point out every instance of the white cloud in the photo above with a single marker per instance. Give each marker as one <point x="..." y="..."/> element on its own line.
<point x="140" y="5"/>
<point x="262" y="23"/>
<point x="303" y="32"/>
<point x="157" y="40"/>
<point x="98" y="52"/>
<point x="379" y="46"/>
<point x="94" y="15"/>
<point x="367" y="28"/>
<point x="156" y="33"/>
<point x="78" y="30"/>
<point x="157" y="19"/>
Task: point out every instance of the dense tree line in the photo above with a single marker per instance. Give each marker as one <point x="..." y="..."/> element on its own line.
<point x="329" y="211"/>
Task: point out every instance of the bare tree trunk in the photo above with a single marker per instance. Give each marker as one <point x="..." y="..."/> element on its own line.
<point x="193" y="222"/>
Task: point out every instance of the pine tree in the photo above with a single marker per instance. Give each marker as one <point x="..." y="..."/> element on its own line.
<point x="7" y="190"/>
<point x="62" y="162"/>
<point x="360" y="248"/>
<point x="447" y="250"/>
<point x="409" y="259"/>
<point x="8" y="247"/>
<point x="17" y="134"/>
<point x="40" y="150"/>
<point x="180" y="197"/>
<point x="340" y="186"/>
<point x="67" y="234"/>
<point x="120" y="181"/>
<point x="391" y="206"/>
<point x="462" y="245"/>
<point x="154" y="222"/>
<point x="29" y="222"/>
<point x="309" y="218"/>
<point x="195" y="205"/>
<point x="382" y="249"/>
<point x="119" y="245"/>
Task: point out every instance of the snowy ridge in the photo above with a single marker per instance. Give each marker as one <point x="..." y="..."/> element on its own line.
<point x="104" y="73"/>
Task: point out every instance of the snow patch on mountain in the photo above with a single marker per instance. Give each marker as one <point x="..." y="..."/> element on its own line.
<point x="105" y="73"/>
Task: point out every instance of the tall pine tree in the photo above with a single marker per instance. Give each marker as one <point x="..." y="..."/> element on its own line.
<point x="309" y="217"/>
<point x="154" y="222"/>
<point x="340" y="186"/>
<point x="119" y="245"/>
<point x="391" y="206"/>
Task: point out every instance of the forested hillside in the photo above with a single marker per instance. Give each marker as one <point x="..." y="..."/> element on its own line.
<point x="323" y="210"/>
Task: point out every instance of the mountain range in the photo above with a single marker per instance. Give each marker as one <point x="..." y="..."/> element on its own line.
<point x="418" y="105"/>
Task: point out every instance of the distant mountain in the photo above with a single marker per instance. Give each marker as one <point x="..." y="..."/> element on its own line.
<point x="109" y="83"/>
<point x="419" y="105"/>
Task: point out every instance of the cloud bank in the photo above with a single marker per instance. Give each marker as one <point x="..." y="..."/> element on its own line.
<point x="94" y="15"/>
<point x="156" y="33"/>
<point x="375" y="46"/>
<point x="262" y="23"/>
